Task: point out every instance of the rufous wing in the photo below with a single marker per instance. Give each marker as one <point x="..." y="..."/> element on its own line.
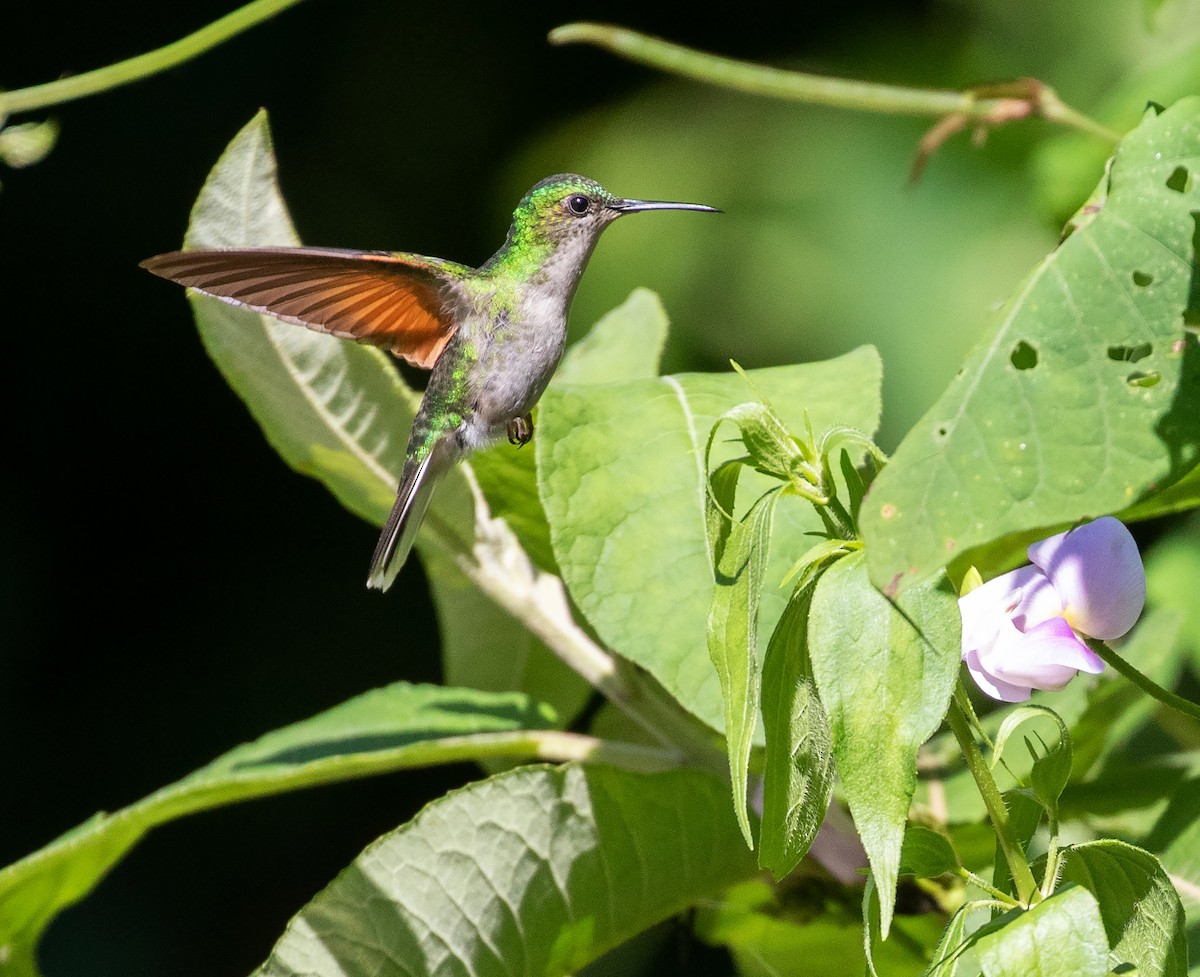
<point x="401" y="303"/>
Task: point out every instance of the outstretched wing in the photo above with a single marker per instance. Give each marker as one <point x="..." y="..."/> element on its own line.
<point x="403" y="303"/>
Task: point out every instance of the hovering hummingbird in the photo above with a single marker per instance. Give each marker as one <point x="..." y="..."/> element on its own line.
<point x="492" y="335"/>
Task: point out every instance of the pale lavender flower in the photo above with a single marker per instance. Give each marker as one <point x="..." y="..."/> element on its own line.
<point x="1022" y="630"/>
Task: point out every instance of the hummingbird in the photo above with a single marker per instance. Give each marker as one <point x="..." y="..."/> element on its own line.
<point x="492" y="336"/>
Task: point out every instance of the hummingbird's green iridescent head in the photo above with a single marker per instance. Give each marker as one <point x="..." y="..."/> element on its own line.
<point x="567" y="212"/>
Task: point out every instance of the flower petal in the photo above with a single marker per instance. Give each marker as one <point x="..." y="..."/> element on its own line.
<point x="992" y="686"/>
<point x="1045" y="657"/>
<point x="987" y="609"/>
<point x="1097" y="571"/>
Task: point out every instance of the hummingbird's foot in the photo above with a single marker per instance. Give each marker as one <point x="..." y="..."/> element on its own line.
<point x="520" y="430"/>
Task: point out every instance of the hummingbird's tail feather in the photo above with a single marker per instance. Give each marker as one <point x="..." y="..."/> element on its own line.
<point x="417" y="482"/>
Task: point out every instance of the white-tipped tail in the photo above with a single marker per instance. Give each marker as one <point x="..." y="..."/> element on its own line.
<point x="417" y="483"/>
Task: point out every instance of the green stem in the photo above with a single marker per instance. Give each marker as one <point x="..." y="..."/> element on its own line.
<point x="143" y="65"/>
<point x="1143" y="682"/>
<point x="984" y="886"/>
<point x="1018" y="865"/>
<point x="1021" y="99"/>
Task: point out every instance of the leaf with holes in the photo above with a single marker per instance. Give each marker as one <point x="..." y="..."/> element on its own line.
<point x="536" y="871"/>
<point x="621" y="474"/>
<point x="1085" y="397"/>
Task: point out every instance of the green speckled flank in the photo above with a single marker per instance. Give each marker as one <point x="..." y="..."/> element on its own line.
<point x="445" y="391"/>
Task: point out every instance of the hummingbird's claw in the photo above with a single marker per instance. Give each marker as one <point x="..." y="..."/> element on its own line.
<point x="520" y="430"/>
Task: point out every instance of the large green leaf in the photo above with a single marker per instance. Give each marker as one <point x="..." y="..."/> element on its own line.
<point x="885" y="675"/>
<point x="536" y="871"/>
<point x="624" y="344"/>
<point x="387" y="729"/>
<point x="621" y="474"/>
<point x="1140" y="908"/>
<point x="1085" y="398"/>
<point x="333" y="409"/>
<point x="485" y="647"/>
<point x="339" y="412"/>
<point x="1176" y="840"/>
<point x="1060" y="936"/>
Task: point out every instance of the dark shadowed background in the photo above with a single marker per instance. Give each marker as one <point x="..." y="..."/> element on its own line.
<point x="168" y="588"/>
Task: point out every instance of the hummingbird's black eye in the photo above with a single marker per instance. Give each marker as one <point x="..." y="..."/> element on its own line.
<point x="578" y="204"/>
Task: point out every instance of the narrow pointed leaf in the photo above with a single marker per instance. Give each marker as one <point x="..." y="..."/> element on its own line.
<point x="798" y="770"/>
<point x="621" y="474"/>
<point x="1025" y="813"/>
<point x="954" y="941"/>
<point x="733" y="639"/>
<point x="885" y="677"/>
<point x="380" y="731"/>
<point x="1084" y="398"/>
<point x="536" y="871"/>
<point x="769" y="445"/>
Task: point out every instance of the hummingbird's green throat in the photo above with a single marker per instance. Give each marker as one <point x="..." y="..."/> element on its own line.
<point x="492" y="335"/>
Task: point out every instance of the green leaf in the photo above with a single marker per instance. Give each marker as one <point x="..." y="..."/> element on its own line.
<point x="621" y="473"/>
<point x="1025" y="813"/>
<point x="770" y="447"/>
<point x="485" y="647"/>
<point x="1116" y="708"/>
<point x="798" y="769"/>
<point x="1054" y="415"/>
<point x="926" y="853"/>
<point x="954" y="941"/>
<point x="625" y="344"/>
<point x="1176" y="840"/>
<point x="508" y="477"/>
<point x="338" y="411"/>
<point x="1060" y="936"/>
<point x="1173" y="580"/>
<point x="885" y="676"/>
<point x="1051" y="765"/>
<point x="334" y="410"/>
<point x="388" y="729"/>
<point x="1142" y="914"/>
<point x="733" y="639"/>
<point x="535" y="871"/>
<point x="808" y="931"/>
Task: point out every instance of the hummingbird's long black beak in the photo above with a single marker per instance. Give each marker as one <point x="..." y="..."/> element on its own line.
<point x="633" y="206"/>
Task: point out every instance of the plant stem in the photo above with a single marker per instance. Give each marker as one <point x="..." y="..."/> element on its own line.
<point x="1018" y="865"/>
<point x="143" y="65"/>
<point x="984" y="886"/>
<point x="1143" y="682"/>
<point x="1019" y="100"/>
